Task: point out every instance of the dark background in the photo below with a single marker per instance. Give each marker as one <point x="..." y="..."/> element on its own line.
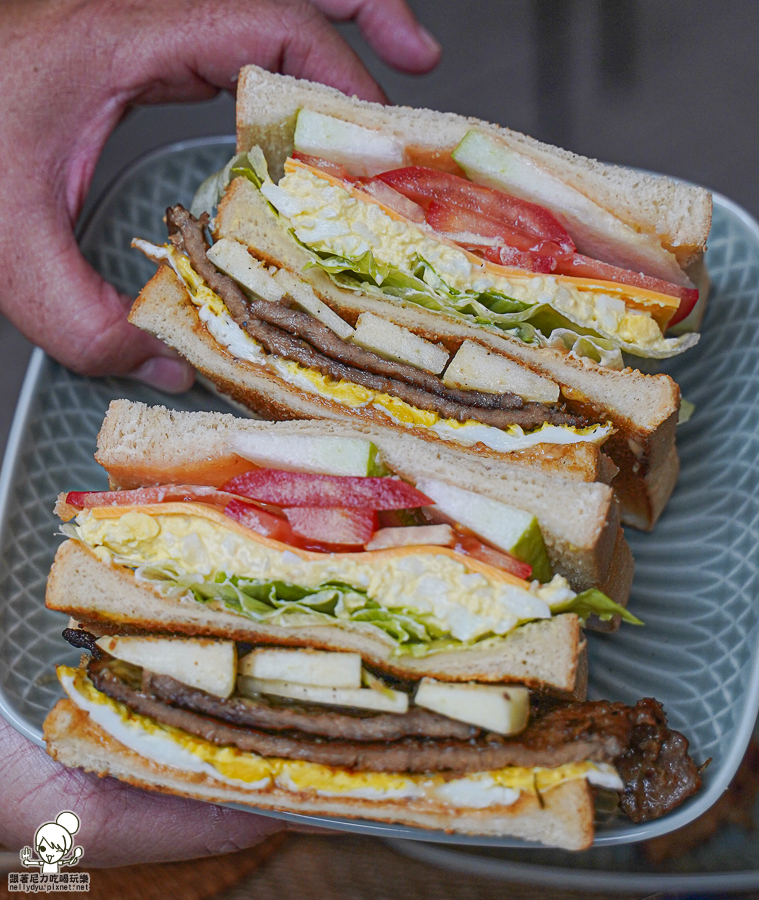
<point x="666" y="85"/>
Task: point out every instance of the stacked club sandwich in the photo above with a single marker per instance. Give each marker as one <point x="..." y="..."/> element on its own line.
<point x="441" y="276"/>
<point x="377" y="611"/>
<point x="272" y="622"/>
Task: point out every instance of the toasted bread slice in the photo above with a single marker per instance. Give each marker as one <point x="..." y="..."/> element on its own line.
<point x="559" y="817"/>
<point x="546" y="654"/>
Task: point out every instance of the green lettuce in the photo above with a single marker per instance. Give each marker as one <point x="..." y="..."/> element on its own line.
<point x="276" y="601"/>
<point x="536" y="323"/>
<point x="413" y="633"/>
<point x="251" y="165"/>
<point x="424" y="287"/>
<point x="594" y="602"/>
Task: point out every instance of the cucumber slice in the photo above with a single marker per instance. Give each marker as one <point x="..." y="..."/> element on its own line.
<point x="513" y="530"/>
<point x="362" y="151"/>
<point x="320" y="454"/>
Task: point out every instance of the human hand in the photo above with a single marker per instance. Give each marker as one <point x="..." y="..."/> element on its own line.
<point x="71" y="68"/>
<point x="120" y="825"/>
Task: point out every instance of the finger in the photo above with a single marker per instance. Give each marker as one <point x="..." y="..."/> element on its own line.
<point x="60" y="303"/>
<point x="391" y="30"/>
<point x="202" y="43"/>
<point x="120" y="825"/>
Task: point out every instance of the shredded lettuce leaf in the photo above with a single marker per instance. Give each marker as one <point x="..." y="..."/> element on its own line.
<point x="279" y="602"/>
<point x="686" y="411"/>
<point x="593" y="602"/>
<point x="251" y="165"/>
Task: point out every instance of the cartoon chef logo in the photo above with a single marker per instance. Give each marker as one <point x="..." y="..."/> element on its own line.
<point x="54" y="843"/>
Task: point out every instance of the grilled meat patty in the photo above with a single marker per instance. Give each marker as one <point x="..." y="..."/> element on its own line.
<point x="300" y="337"/>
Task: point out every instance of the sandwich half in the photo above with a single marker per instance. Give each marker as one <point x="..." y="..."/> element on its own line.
<point x="330" y="292"/>
<point x="579" y="521"/>
<point x="245" y="649"/>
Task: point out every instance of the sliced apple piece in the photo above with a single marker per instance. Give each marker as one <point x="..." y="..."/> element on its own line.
<point x="394" y="342"/>
<point x="319" y="668"/>
<point x="232" y="258"/>
<point x="500" y="708"/>
<point x="513" y="530"/>
<point x="597" y="233"/>
<point x="319" y="454"/>
<point x="385" y="700"/>
<point x="202" y="663"/>
<point x="476" y="368"/>
<point x="362" y="151"/>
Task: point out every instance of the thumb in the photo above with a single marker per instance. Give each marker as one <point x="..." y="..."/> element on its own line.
<point x="60" y="303"/>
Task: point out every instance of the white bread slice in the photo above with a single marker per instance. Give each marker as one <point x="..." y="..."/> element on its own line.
<point x="140" y="445"/>
<point x="643" y="408"/>
<point x="561" y="817"/>
<point x="647" y="501"/>
<point x="547" y="654"/>
<point x="678" y="214"/>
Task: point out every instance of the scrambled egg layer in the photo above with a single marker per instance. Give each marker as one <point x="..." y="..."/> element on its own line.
<point x="226" y="332"/>
<point x="173" y="747"/>
<point x="328" y="217"/>
<point x="466" y="601"/>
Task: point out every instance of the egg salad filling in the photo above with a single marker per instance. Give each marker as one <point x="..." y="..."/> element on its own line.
<point x="419" y="599"/>
<point x="361" y="244"/>
<point x="222" y="327"/>
<point x="172" y="747"/>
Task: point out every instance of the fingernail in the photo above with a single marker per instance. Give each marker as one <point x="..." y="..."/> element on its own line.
<point x="165" y="373"/>
<point x="428" y="40"/>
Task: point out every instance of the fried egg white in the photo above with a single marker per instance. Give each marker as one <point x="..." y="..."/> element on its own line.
<point x="178" y="749"/>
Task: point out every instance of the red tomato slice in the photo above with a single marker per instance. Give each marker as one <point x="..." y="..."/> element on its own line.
<point x="585" y="267"/>
<point x="260" y="521"/>
<point x="454" y="221"/>
<point x="510" y="256"/>
<point x="470" y="546"/>
<point x="289" y="489"/>
<point x="424" y="185"/>
<point x="351" y="527"/>
<point x="331" y="168"/>
<point x="164" y="493"/>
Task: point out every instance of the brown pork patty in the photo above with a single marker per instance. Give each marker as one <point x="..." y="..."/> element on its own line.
<point x="597" y="731"/>
<point x="300" y="337"/>
<point x="308" y="718"/>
